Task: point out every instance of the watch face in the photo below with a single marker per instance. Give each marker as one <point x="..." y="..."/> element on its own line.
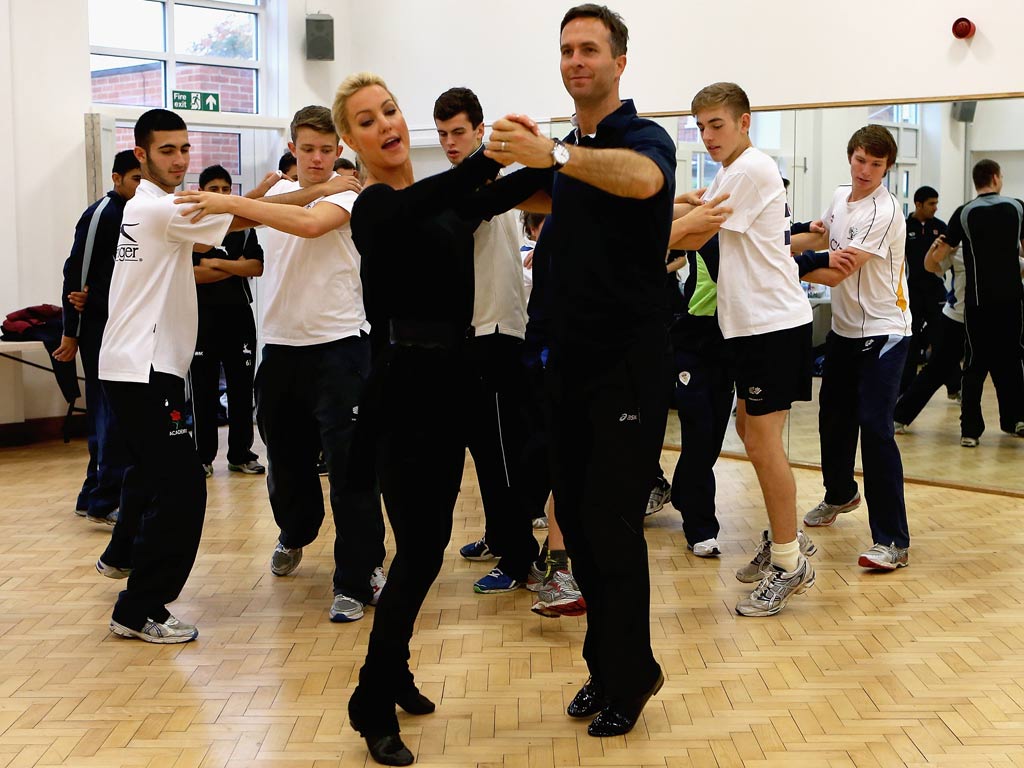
<point x="561" y="153"/>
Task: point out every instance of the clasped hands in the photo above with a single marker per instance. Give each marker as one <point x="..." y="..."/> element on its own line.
<point x="517" y="139"/>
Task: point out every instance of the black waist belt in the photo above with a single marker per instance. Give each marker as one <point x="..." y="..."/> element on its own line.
<point x="428" y="334"/>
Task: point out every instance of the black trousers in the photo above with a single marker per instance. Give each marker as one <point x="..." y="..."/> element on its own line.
<point x="167" y="477"/>
<point x="607" y="426"/>
<point x="227" y="336"/>
<point x="942" y="367"/>
<point x="101" y="491"/>
<point x="994" y="346"/>
<point x="495" y="438"/>
<point x="416" y="408"/>
<point x="926" y="311"/>
<point x="859" y="387"/>
<point x="703" y="400"/>
<point x="303" y="392"/>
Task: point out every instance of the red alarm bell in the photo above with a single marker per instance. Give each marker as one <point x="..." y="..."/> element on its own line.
<point x="963" y="28"/>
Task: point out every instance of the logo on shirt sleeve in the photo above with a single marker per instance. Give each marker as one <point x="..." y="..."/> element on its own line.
<point x="128" y="247"/>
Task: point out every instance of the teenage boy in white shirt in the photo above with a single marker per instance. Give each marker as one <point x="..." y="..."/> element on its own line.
<point x="866" y="349"/>
<point x="316" y="360"/>
<point x="146" y="352"/>
<point x="766" y="322"/>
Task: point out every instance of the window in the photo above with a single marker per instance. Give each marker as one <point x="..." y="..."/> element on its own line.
<point x="702" y="170"/>
<point x="894" y="113"/>
<point x="143" y="49"/>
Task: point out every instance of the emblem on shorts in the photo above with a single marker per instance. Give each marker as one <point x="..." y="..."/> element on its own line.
<point x="629" y="417"/>
<point x="684" y="377"/>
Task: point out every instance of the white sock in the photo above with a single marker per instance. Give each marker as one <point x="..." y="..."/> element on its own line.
<point x="786" y="556"/>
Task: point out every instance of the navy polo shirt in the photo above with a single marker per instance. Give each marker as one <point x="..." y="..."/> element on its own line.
<point x="990" y="227"/>
<point x="607" y="253"/>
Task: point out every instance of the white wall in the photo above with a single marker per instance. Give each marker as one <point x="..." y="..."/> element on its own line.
<point x="782" y="54"/>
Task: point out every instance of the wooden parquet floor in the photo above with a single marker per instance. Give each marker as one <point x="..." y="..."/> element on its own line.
<point x="918" y="667"/>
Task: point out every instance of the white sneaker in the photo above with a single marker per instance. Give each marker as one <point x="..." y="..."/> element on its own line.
<point x="377" y="581"/>
<point x="345" y="608"/>
<point x="883" y="557"/>
<point x="706" y="548"/>
<point x="775" y="589"/>
<point x="899" y="429"/>
<point x="283" y="560"/>
<point x="761" y="564"/>
<point x="969" y="442"/>
<point x="170" y="631"/>
<point x="112" y="571"/>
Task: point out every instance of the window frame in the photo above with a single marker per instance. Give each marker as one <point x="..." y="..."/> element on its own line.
<point x="170" y="59"/>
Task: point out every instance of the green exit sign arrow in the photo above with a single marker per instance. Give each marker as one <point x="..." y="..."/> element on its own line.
<point x="197" y="101"/>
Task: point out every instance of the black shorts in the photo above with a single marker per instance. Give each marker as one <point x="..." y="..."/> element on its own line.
<point x="772" y="370"/>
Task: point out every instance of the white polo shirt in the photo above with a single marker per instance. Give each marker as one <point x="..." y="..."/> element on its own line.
<point x="154" y="316"/>
<point x="758" y="280"/>
<point x="874" y="300"/>
<point x="311" y="292"/>
<point x="499" y="296"/>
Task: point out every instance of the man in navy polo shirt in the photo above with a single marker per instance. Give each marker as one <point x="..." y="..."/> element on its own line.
<point x="611" y="184"/>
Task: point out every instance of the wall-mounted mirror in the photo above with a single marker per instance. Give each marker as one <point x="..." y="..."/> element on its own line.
<point x="938" y="143"/>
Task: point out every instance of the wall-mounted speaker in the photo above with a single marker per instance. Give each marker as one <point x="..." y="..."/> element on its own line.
<point x="319" y="37"/>
<point x="963" y="111"/>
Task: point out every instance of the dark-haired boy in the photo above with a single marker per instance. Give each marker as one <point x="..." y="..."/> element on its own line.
<point x="927" y="291"/>
<point x="991" y="229"/>
<point x="316" y="360"/>
<point x="865" y="350"/>
<point x="147" y="349"/>
<point x="227" y="336"/>
<point x="495" y="437"/>
<point x="87" y="274"/>
<point x="766" y="322"/>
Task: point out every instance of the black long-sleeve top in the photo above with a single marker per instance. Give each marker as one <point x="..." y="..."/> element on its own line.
<point x="101" y="264"/>
<point x="416" y="247"/>
<point x="234" y="290"/>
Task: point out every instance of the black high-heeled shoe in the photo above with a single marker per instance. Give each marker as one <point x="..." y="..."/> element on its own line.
<point x="619" y="717"/>
<point x="414" y="702"/>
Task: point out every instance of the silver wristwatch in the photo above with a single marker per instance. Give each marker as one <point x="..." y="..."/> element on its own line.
<point x="559" y="154"/>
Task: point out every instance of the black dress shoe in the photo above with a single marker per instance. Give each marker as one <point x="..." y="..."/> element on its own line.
<point x="389" y="750"/>
<point x="588" y="701"/>
<point x="620" y="717"/>
<point x="380" y="732"/>
<point x="414" y="702"/>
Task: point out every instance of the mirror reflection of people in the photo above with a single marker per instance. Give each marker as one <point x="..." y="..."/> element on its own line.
<point x="865" y="351"/>
<point x="927" y="292"/>
<point x="943" y="365"/>
<point x="991" y="230"/>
